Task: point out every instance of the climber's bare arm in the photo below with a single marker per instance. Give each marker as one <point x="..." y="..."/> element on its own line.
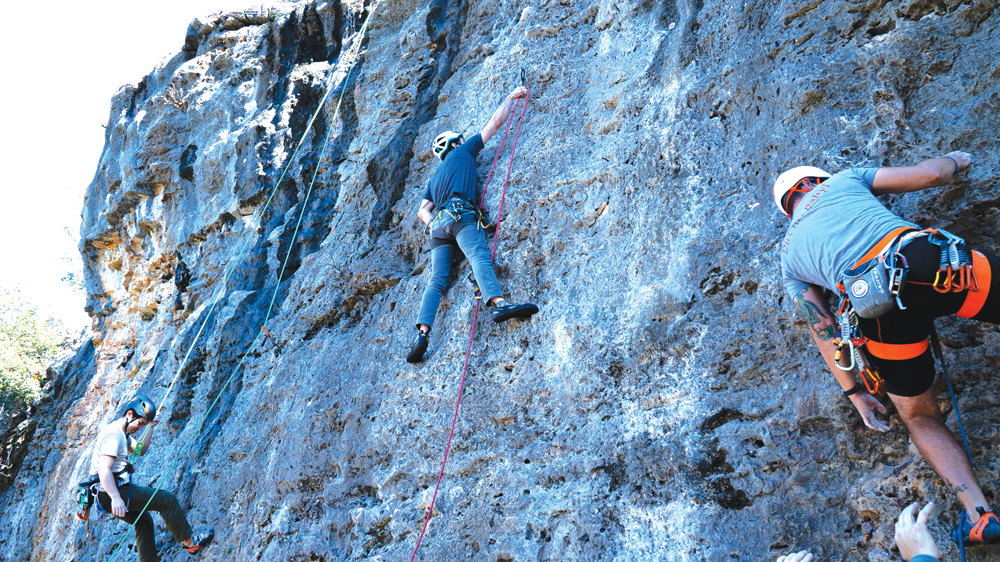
<point x="933" y="172"/>
<point x="822" y="325"/>
<point x="502" y="112"/>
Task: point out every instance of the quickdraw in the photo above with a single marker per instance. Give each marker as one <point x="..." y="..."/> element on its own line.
<point x="849" y="332"/>
<point x="475" y="286"/>
<point x="268" y="334"/>
<point x="955" y="274"/>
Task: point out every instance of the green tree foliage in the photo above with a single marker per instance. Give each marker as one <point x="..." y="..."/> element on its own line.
<point x="28" y="343"/>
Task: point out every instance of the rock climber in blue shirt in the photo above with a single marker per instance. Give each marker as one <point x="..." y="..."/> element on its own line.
<point x="459" y="224"/>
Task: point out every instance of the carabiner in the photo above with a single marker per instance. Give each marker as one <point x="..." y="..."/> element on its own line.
<point x="973" y="280"/>
<point x="876" y="380"/>
<point x="942" y="288"/>
<point x="850" y="346"/>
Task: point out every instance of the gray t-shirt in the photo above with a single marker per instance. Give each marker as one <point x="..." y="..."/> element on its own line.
<point x="111" y="441"/>
<point x="832" y="228"/>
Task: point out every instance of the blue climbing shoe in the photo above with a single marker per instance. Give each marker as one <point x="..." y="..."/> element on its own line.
<point x="984" y="531"/>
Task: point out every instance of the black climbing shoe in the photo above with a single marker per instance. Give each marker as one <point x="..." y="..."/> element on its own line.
<point x="986" y="530"/>
<point x="507" y="311"/>
<point x="201" y="540"/>
<point x="417" y="351"/>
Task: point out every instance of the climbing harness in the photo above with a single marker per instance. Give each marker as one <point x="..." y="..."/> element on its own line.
<point x="475" y="313"/>
<point x="454" y="214"/>
<point x="87" y="490"/>
<point x="351" y="58"/>
<point x="875" y="285"/>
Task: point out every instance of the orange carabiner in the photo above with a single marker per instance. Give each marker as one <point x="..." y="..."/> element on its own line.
<point x="962" y="280"/>
<point x="876" y="385"/>
<point x="973" y="280"/>
<point x="946" y="287"/>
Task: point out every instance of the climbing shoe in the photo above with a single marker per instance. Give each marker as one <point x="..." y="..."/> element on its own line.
<point x="986" y="530"/>
<point x="506" y="311"/>
<point x="201" y="540"/>
<point x="417" y="351"/>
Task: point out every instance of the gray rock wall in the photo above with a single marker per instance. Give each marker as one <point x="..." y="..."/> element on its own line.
<point x="666" y="404"/>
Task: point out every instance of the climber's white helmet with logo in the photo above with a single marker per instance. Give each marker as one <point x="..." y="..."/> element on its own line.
<point x="789" y="181"/>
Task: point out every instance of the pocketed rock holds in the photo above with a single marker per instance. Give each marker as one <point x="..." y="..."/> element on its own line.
<point x="655" y="398"/>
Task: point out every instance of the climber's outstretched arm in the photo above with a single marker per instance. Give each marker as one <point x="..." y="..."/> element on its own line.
<point x="502" y="113"/>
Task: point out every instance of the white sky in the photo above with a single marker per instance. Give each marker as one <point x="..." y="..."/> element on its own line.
<point x="62" y="62"/>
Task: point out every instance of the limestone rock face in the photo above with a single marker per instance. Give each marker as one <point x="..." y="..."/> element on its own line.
<point x="665" y="404"/>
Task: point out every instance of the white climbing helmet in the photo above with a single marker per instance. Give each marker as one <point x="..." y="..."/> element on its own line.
<point x="790" y="179"/>
<point x="442" y="144"/>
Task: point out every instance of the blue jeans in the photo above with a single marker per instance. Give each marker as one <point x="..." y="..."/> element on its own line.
<point x="472" y="241"/>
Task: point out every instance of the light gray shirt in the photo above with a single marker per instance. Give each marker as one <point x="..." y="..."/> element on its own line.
<point x="111" y="441"/>
<point x="833" y="227"/>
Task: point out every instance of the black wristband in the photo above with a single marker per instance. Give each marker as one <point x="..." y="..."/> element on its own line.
<point x="857" y="388"/>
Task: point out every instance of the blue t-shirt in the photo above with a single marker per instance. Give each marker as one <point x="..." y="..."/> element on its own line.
<point x="456" y="174"/>
<point x="833" y="227"/>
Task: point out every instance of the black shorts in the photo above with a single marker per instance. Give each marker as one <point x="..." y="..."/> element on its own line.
<point x="898" y="345"/>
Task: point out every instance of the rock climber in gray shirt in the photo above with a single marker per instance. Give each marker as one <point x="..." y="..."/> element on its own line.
<point x="133" y="503"/>
<point x="459" y="224"/>
<point x="837" y="224"/>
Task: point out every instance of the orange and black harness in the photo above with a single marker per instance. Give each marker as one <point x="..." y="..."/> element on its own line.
<point x="958" y="271"/>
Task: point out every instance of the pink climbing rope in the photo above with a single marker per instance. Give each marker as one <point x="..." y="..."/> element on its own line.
<point x="496" y="235"/>
<point x="475" y="313"/>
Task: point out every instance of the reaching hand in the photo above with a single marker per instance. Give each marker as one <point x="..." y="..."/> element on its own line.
<point x="963" y="159"/>
<point x="518" y="93"/>
<point x="865" y="404"/>
<point x="912" y="536"/>
<point x="803" y="556"/>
